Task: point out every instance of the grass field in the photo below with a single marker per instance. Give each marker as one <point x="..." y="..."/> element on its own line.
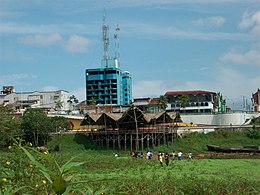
<point x="101" y="172"/>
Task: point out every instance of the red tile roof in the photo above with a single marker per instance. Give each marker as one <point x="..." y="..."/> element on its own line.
<point x="188" y="92"/>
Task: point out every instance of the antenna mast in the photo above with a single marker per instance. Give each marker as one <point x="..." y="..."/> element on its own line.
<point x="105" y="30"/>
<point x="116" y="37"/>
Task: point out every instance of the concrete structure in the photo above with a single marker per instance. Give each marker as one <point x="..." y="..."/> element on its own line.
<point x="74" y="121"/>
<point x="256" y="101"/>
<point x="197" y="101"/>
<point x="109" y="85"/>
<point x="36" y="99"/>
<point x="147" y="104"/>
<point x="218" y="119"/>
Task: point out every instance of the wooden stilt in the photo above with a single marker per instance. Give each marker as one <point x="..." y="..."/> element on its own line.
<point x="118" y="138"/>
<point x="131" y="141"/>
<point x="113" y="142"/>
<point x="125" y="142"/>
<point x="148" y="140"/>
<point x="142" y="140"/>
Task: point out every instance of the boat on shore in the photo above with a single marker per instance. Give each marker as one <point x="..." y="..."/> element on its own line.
<point x="227" y="149"/>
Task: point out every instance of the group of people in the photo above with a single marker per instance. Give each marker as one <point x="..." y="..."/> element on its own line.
<point x="161" y="156"/>
<point x="173" y="155"/>
<point x="137" y="154"/>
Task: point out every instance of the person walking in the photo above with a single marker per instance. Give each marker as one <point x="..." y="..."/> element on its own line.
<point x="179" y="155"/>
<point x="190" y="156"/>
<point x="133" y="155"/>
<point x="161" y="160"/>
<point x="166" y="159"/>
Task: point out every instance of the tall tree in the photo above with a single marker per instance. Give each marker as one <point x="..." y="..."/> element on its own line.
<point x="58" y="105"/>
<point x="73" y="101"/>
<point x="36" y="126"/>
<point x="162" y="102"/>
<point x="92" y="102"/>
<point x="9" y="126"/>
<point x="184" y="100"/>
<point x="59" y="123"/>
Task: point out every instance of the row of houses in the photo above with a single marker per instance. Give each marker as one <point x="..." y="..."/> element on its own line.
<point x="46" y="100"/>
<point x="199" y="101"/>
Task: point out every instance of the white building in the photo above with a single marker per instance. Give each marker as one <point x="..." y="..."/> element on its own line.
<point x="36" y="99"/>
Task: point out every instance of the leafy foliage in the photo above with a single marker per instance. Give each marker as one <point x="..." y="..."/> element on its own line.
<point x="73" y="100"/>
<point x="253" y="133"/>
<point x="101" y="172"/>
<point x="162" y="102"/>
<point x="9" y="126"/>
<point x="37" y="126"/>
<point x="58" y="104"/>
<point x="184" y="100"/>
<point x="92" y="102"/>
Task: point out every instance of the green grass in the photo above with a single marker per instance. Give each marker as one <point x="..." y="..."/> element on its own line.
<point x="123" y="175"/>
<point x="197" y="142"/>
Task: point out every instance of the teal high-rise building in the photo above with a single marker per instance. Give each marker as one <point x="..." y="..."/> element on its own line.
<point x="109" y="85"/>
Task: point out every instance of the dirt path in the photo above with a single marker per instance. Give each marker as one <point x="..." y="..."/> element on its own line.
<point x="226" y="155"/>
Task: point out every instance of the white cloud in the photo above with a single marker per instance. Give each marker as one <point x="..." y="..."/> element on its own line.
<point x="252" y="21"/>
<point x="155" y="88"/>
<point x="215" y="21"/>
<point x="151" y="31"/>
<point x="77" y="44"/>
<point x="250" y="57"/>
<point x="233" y="83"/>
<point x="16" y="79"/>
<point x="41" y="40"/>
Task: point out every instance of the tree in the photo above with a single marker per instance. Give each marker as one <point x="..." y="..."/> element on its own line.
<point x="72" y="101"/>
<point x="59" y="123"/>
<point x="162" y="102"/>
<point x="92" y="102"/>
<point x="9" y="125"/>
<point x="184" y="100"/>
<point x="58" y="105"/>
<point x="36" y="126"/>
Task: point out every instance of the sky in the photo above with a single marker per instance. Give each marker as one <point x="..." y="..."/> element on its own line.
<point x="166" y="45"/>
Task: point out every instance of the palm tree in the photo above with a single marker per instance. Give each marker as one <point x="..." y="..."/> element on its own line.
<point x="72" y="101"/>
<point x="58" y="104"/>
<point x="162" y="102"/>
<point x="92" y="102"/>
<point x="184" y="100"/>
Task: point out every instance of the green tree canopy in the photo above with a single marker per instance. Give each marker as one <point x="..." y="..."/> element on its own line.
<point x="73" y="100"/>
<point x="184" y="100"/>
<point x="36" y="125"/>
<point x="92" y="102"/>
<point x="59" y="123"/>
<point x="58" y="104"/>
<point x="9" y="125"/>
<point x="162" y="102"/>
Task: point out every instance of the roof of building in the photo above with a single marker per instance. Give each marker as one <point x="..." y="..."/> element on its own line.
<point x="132" y="115"/>
<point x="188" y="92"/>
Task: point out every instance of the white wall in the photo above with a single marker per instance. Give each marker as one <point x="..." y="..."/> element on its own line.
<point x="217" y="119"/>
